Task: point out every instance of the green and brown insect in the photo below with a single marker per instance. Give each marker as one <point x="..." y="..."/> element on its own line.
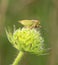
<point x="30" y="23"/>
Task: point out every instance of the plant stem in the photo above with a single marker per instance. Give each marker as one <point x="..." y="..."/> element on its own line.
<point x="18" y="58"/>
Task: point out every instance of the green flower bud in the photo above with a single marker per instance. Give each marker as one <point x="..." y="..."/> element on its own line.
<point x="28" y="40"/>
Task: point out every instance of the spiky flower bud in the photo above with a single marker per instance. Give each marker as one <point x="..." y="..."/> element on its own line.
<point x="28" y="40"/>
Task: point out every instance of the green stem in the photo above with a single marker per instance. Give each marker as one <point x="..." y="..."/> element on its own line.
<point x="18" y="58"/>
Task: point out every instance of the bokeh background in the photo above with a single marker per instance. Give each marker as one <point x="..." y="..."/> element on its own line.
<point x="46" y="11"/>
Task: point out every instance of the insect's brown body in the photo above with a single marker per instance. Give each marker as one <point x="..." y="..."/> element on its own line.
<point x="31" y="23"/>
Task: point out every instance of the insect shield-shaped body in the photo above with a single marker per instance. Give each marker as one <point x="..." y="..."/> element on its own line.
<point x="30" y="23"/>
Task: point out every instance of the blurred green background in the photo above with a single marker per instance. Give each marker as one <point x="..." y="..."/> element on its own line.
<point x="46" y="11"/>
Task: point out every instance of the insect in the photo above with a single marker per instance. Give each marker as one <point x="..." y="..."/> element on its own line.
<point x="30" y="23"/>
